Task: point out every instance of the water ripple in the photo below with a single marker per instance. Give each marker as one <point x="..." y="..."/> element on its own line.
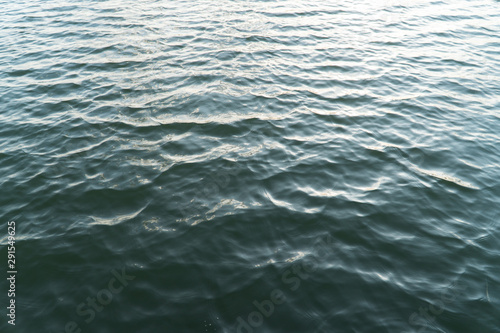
<point x="344" y="154"/>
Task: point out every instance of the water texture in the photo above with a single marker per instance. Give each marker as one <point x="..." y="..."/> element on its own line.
<point x="251" y="166"/>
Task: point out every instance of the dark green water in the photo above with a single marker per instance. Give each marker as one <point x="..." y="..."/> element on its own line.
<point x="251" y="166"/>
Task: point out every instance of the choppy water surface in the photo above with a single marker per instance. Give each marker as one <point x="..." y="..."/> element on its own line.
<point x="252" y="166"/>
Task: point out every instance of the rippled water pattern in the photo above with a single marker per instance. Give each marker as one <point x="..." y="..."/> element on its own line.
<point x="252" y="166"/>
